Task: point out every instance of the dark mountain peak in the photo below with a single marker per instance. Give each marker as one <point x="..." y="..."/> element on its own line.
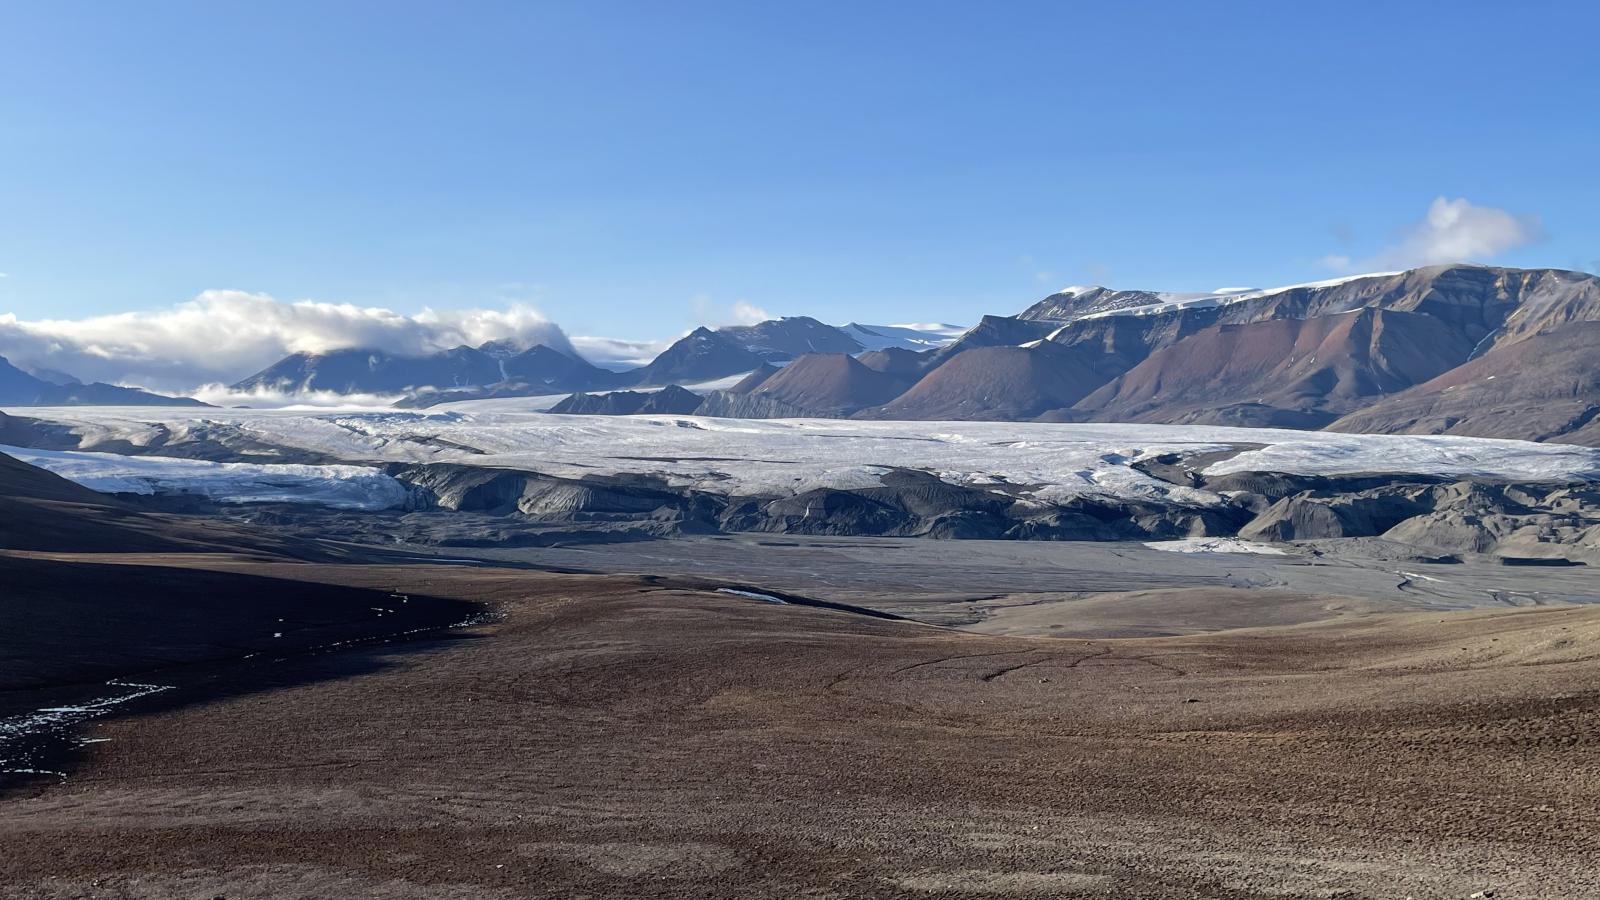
<point x="830" y="384"/>
<point x="549" y="369"/>
<point x="700" y="355"/>
<point x="18" y="388"/>
<point x="997" y="331"/>
<point x="754" y="380"/>
<point x="356" y="370"/>
<point x="1075" y="302"/>
<point x="501" y="349"/>
<point x="997" y="383"/>
<point x="54" y="376"/>
<point x="898" y="360"/>
<point x="546" y="356"/>
<point x="780" y="340"/>
<point x="705" y="354"/>
<point x="670" y="400"/>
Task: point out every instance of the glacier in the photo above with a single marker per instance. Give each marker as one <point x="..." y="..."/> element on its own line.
<point x="1047" y="462"/>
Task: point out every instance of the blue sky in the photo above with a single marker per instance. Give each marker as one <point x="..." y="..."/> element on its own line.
<point x="634" y="169"/>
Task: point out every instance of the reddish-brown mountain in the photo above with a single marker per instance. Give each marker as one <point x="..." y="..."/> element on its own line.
<point x="1295" y="372"/>
<point x="1546" y="387"/>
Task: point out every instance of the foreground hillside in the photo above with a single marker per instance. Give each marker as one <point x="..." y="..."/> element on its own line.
<point x="627" y="737"/>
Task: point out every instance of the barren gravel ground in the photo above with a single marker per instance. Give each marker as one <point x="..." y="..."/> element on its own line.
<point x="630" y="737"/>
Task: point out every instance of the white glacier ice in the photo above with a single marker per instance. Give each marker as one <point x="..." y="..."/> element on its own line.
<point x="1032" y="461"/>
<point x="341" y="487"/>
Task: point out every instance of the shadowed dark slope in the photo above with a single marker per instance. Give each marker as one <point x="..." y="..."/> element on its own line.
<point x="997" y="383"/>
<point x="830" y="383"/>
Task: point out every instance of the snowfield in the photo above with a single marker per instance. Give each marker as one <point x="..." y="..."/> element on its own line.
<point x="1047" y="462"/>
<point x="1172" y="300"/>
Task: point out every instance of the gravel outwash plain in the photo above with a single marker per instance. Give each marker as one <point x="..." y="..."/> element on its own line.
<point x="633" y="736"/>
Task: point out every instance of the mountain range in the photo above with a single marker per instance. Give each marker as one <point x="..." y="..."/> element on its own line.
<point x="1456" y="349"/>
<point x="19" y="388"/>
<point x="1463" y="349"/>
<point x="496" y="370"/>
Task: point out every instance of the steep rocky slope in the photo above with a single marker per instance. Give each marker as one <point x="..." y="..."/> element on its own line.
<point x="1545" y="387"/>
<point x="1282" y="372"/>
<point x="1285" y="357"/>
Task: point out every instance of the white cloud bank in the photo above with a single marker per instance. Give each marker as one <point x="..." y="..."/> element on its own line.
<point x="618" y="354"/>
<point x="223" y="336"/>
<point x="1452" y="231"/>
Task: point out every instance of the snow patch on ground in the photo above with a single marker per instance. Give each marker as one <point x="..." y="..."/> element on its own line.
<point x="752" y="595"/>
<point x="1215" y="545"/>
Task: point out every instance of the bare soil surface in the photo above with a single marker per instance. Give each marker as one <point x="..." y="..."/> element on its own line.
<point x="629" y="736"/>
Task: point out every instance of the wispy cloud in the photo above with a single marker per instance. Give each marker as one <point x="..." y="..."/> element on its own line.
<point x="747" y="313"/>
<point x="222" y="336"/>
<point x="1451" y="231"/>
<point x="263" y="397"/>
<point x="614" y="353"/>
<point x="742" y="312"/>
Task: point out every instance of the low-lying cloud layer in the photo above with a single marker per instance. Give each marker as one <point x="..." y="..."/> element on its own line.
<point x="223" y="336"/>
<point x="1452" y="231"/>
<point x="618" y="354"/>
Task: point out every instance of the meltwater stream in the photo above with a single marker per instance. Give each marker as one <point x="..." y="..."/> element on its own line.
<point x="26" y="740"/>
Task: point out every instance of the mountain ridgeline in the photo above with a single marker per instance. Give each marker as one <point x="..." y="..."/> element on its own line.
<point x="1460" y="349"/>
<point x="19" y="388"/>
<point x="1465" y="350"/>
<point x="499" y="370"/>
